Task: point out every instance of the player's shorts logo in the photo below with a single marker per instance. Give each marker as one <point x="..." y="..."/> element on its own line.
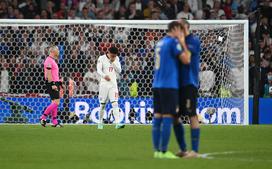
<point x="177" y="109"/>
<point x="188" y="105"/>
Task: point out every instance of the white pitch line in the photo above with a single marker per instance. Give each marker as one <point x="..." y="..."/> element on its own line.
<point x="212" y="155"/>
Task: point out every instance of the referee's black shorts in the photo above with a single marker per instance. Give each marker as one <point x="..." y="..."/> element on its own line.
<point x="165" y="101"/>
<point x="54" y="94"/>
<point x="188" y="100"/>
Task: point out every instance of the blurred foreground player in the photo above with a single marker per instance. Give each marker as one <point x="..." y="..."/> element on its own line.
<point x="168" y="53"/>
<point x="189" y="76"/>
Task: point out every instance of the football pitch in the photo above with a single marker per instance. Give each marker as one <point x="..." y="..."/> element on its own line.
<point x="85" y="147"/>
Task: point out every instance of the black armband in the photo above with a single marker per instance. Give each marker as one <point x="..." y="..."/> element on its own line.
<point x="59" y="83"/>
<point x="54" y="83"/>
<point x="51" y="83"/>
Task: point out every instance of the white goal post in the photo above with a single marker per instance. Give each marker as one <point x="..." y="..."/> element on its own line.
<point x="223" y="88"/>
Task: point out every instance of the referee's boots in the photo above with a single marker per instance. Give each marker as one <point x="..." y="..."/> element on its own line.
<point x="43" y="122"/>
<point x="57" y="125"/>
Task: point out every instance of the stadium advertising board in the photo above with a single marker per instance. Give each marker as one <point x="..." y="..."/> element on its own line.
<point x="133" y="110"/>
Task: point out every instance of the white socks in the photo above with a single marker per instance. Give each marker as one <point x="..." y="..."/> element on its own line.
<point x="101" y="113"/>
<point x="116" y="112"/>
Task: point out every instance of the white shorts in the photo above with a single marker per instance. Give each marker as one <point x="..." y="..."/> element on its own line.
<point x="108" y="92"/>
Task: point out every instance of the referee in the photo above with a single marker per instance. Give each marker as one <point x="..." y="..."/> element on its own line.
<point x="51" y="75"/>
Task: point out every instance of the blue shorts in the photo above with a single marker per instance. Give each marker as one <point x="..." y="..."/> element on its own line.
<point x="166" y="101"/>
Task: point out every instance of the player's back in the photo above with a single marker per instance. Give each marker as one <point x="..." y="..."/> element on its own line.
<point x="167" y="63"/>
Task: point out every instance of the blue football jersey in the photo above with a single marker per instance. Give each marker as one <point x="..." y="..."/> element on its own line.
<point x="167" y="63"/>
<point x="190" y="73"/>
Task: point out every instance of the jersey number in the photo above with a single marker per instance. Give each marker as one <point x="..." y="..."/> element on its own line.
<point x="158" y="58"/>
<point x="110" y="69"/>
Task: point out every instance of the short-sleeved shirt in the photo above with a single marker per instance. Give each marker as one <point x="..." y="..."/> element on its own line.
<point x="167" y="63"/>
<point x="190" y="73"/>
<point x="50" y="64"/>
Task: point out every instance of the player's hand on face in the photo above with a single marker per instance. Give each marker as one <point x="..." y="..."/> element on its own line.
<point x="112" y="59"/>
<point x="107" y="78"/>
<point x="177" y="32"/>
<point x="182" y="37"/>
<point x="54" y="87"/>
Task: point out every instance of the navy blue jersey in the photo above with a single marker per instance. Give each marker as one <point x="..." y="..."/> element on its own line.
<point x="167" y="63"/>
<point x="189" y="73"/>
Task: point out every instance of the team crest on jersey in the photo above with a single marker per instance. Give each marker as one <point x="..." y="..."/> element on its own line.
<point x="179" y="47"/>
<point x="160" y="43"/>
<point x="177" y="109"/>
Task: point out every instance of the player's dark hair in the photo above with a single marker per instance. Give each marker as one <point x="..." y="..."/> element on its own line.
<point x="113" y="50"/>
<point x="174" y="24"/>
<point x="185" y="22"/>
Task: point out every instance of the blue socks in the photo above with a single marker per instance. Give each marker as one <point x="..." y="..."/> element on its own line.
<point x="165" y="132"/>
<point x="195" y="139"/>
<point x="180" y="136"/>
<point x="161" y="131"/>
<point x="156" y="132"/>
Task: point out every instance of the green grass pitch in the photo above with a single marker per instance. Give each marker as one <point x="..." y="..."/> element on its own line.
<point x="85" y="147"/>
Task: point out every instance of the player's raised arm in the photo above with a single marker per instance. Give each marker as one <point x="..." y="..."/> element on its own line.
<point x="117" y="65"/>
<point x="181" y="49"/>
<point x="185" y="56"/>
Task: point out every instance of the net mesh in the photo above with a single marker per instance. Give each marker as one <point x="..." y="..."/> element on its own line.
<point x="24" y="48"/>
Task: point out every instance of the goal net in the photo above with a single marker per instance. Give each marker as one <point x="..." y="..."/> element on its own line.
<point x="223" y="96"/>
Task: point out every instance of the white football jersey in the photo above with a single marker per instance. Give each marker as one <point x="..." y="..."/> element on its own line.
<point x="106" y="67"/>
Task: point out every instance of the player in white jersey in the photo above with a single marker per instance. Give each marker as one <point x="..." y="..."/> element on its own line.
<point x="108" y="67"/>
